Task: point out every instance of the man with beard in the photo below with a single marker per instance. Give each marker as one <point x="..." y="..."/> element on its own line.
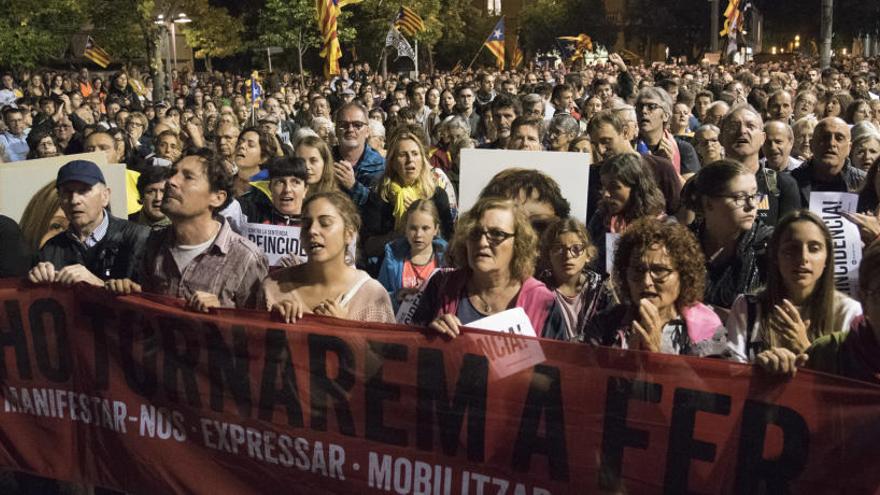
<point x="505" y="109"/>
<point x="356" y="165"/>
<point x="742" y="135"/>
<point x="830" y="168"/>
<point x="198" y="257"/>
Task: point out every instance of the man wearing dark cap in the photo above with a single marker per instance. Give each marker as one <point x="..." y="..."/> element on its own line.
<point x="97" y="246"/>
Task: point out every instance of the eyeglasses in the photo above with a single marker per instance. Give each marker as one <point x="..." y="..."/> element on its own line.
<point x="494" y="236"/>
<point x="659" y="273"/>
<point x="575" y="250"/>
<point x="351" y="125"/>
<point x="741" y="199"/>
<point x="647" y="106"/>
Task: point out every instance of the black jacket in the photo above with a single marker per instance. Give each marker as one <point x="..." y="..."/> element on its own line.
<point x="258" y="208"/>
<point x="117" y="255"/>
<point x="744" y="273"/>
<point x="782" y="194"/>
<point x="378" y="215"/>
<point x="849" y="180"/>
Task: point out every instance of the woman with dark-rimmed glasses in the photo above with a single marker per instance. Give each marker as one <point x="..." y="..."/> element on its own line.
<point x="725" y="196"/>
<point x="493" y="252"/>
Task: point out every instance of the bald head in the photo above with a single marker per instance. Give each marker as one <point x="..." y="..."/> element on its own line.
<point x="779" y="106"/>
<point x="830" y="145"/>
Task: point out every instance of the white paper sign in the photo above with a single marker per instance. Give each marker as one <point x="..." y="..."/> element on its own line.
<point x="569" y="169"/>
<point x="845" y="239"/>
<point x="509" y="354"/>
<point x="409" y="304"/>
<point x="610" y="246"/>
<point x="276" y="241"/>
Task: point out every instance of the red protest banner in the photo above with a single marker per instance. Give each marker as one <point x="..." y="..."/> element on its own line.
<point x="141" y="396"/>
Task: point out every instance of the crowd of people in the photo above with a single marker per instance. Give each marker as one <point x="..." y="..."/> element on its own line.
<point x="702" y="174"/>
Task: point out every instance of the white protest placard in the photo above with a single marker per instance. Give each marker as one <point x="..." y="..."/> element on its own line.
<point x="845" y="239"/>
<point x="610" y="246"/>
<point x="509" y="354"/>
<point x="570" y="170"/>
<point x="276" y="241"/>
<point x="409" y="304"/>
<point x="19" y="181"/>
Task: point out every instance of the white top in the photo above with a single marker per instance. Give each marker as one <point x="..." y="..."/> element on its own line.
<point x="743" y="344"/>
<point x="183" y="255"/>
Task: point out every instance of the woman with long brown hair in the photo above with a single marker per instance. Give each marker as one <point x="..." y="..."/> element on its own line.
<point x="800" y="303"/>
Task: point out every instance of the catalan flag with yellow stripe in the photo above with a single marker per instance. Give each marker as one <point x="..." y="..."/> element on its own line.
<point x="495" y="43"/>
<point x="328" y="14"/>
<point x="96" y="54"/>
<point x="409" y="22"/>
<point x="517" y="58"/>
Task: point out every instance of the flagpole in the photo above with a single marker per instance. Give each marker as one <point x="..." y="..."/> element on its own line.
<point x="475" y="56"/>
<point x="416" y="60"/>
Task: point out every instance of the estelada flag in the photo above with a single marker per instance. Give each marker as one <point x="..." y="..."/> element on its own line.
<point x="408" y="21"/>
<point x="495" y="43"/>
<point x="517" y="57"/>
<point x="96" y="54"/>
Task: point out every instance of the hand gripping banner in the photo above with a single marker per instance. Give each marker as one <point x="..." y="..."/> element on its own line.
<point x="137" y="394"/>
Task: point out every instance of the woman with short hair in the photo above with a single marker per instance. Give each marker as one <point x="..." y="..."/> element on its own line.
<point x="660" y="276"/>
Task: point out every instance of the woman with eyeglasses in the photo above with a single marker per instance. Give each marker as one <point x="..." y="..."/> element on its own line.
<point x="800" y="303"/>
<point x="408" y="177"/>
<point x="566" y="253"/>
<point x="660" y="278"/>
<point x="725" y="197"/>
<point x="493" y="254"/>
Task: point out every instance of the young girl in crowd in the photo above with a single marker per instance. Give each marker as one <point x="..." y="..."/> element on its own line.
<point x="319" y="163"/>
<point x="566" y="253"/>
<point x="725" y="196"/>
<point x="327" y="284"/>
<point x="411" y="260"/>
<point x="800" y="303"/>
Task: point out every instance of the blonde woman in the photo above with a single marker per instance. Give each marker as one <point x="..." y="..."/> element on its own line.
<point x="43" y="218"/>
<point x="408" y="176"/>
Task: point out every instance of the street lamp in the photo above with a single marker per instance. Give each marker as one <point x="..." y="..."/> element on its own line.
<point x="171" y="25"/>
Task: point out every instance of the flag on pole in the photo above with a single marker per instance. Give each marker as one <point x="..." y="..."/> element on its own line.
<point x="574" y="47"/>
<point x="517" y="58"/>
<point x="255" y="93"/>
<point x="328" y="14"/>
<point x="396" y="40"/>
<point x="734" y="23"/>
<point x="96" y="54"/>
<point x="409" y="22"/>
<point x="495" y="43"/>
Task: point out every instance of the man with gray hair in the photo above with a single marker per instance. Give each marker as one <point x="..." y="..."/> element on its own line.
<point x="707" y="144"/>
<point x="777" y="147"/>
<point x="742" y="135"/>
<point x="716" y="112"/>
<point x="653" y="110"/>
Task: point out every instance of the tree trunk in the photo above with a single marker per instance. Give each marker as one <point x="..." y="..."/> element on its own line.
<point x="207" y="63"/>
<point x="157" y="72"/>
<point x="299" y="61"/>
<point x="430" y="60"/>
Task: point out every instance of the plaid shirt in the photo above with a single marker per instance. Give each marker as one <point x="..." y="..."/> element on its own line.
<point x="232" y="268"/>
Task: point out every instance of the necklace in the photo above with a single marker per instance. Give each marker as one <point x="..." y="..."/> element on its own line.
<point x="487" y="308"/>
